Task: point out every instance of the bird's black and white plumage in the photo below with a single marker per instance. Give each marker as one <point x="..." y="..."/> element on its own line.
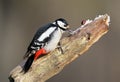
<point x="45" y="40"/>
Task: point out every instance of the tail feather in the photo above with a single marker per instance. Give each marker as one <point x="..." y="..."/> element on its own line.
<point x="28" y="63"/>
<point x="27" y="54"/>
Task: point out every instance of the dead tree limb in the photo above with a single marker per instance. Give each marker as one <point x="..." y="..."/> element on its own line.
<point x="74" y="45"/>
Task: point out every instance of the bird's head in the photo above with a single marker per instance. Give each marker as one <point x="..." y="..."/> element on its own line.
<point x="62" y="24"/>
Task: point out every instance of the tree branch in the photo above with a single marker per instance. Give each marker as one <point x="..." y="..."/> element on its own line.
<point x="74" y="45"/>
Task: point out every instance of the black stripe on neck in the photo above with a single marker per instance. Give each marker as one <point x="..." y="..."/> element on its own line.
<point x="62" y="28"/>
<point x="59" y="26"/>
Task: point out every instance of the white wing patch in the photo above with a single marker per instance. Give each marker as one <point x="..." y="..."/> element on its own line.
<point x="46" y="33"/>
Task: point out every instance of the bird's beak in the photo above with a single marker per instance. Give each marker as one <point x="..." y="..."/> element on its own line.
<point x="67" y="28"/>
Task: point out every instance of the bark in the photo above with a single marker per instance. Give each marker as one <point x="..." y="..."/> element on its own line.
<point x="74" y="45"/>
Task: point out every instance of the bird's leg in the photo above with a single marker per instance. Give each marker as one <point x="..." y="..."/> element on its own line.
<point x="60" y="48"/>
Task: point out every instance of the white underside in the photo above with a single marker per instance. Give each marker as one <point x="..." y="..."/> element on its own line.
<point x="52" y="44"/>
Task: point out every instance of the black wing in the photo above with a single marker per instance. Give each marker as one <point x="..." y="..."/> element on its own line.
<point x="39" y="32"/>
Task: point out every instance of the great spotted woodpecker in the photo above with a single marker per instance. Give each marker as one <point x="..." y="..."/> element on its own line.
<point x="45" y="40"/>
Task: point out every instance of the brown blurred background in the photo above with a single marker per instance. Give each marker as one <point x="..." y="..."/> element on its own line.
<point x="19" y="20"/>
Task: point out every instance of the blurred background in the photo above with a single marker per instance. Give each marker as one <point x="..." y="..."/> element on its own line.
<point x="19" y="20"/>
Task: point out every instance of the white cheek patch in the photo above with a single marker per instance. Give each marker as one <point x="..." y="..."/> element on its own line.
<point x="60" y="23"/>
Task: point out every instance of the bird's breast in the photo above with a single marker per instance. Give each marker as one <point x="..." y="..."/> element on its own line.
<point x="53" y="42"/>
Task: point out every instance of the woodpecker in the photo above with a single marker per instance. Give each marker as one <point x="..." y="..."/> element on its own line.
<point x="46" y="39"/>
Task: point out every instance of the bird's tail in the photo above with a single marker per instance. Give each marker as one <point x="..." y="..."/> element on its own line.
<point x="33" y="57"/>
<point x="28" y="63"/>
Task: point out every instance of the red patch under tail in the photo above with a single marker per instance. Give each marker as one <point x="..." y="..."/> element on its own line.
<point x="42" y="51"/>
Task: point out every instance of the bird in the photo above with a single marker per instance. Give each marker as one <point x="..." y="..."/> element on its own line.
<point x="46" y="39"/>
